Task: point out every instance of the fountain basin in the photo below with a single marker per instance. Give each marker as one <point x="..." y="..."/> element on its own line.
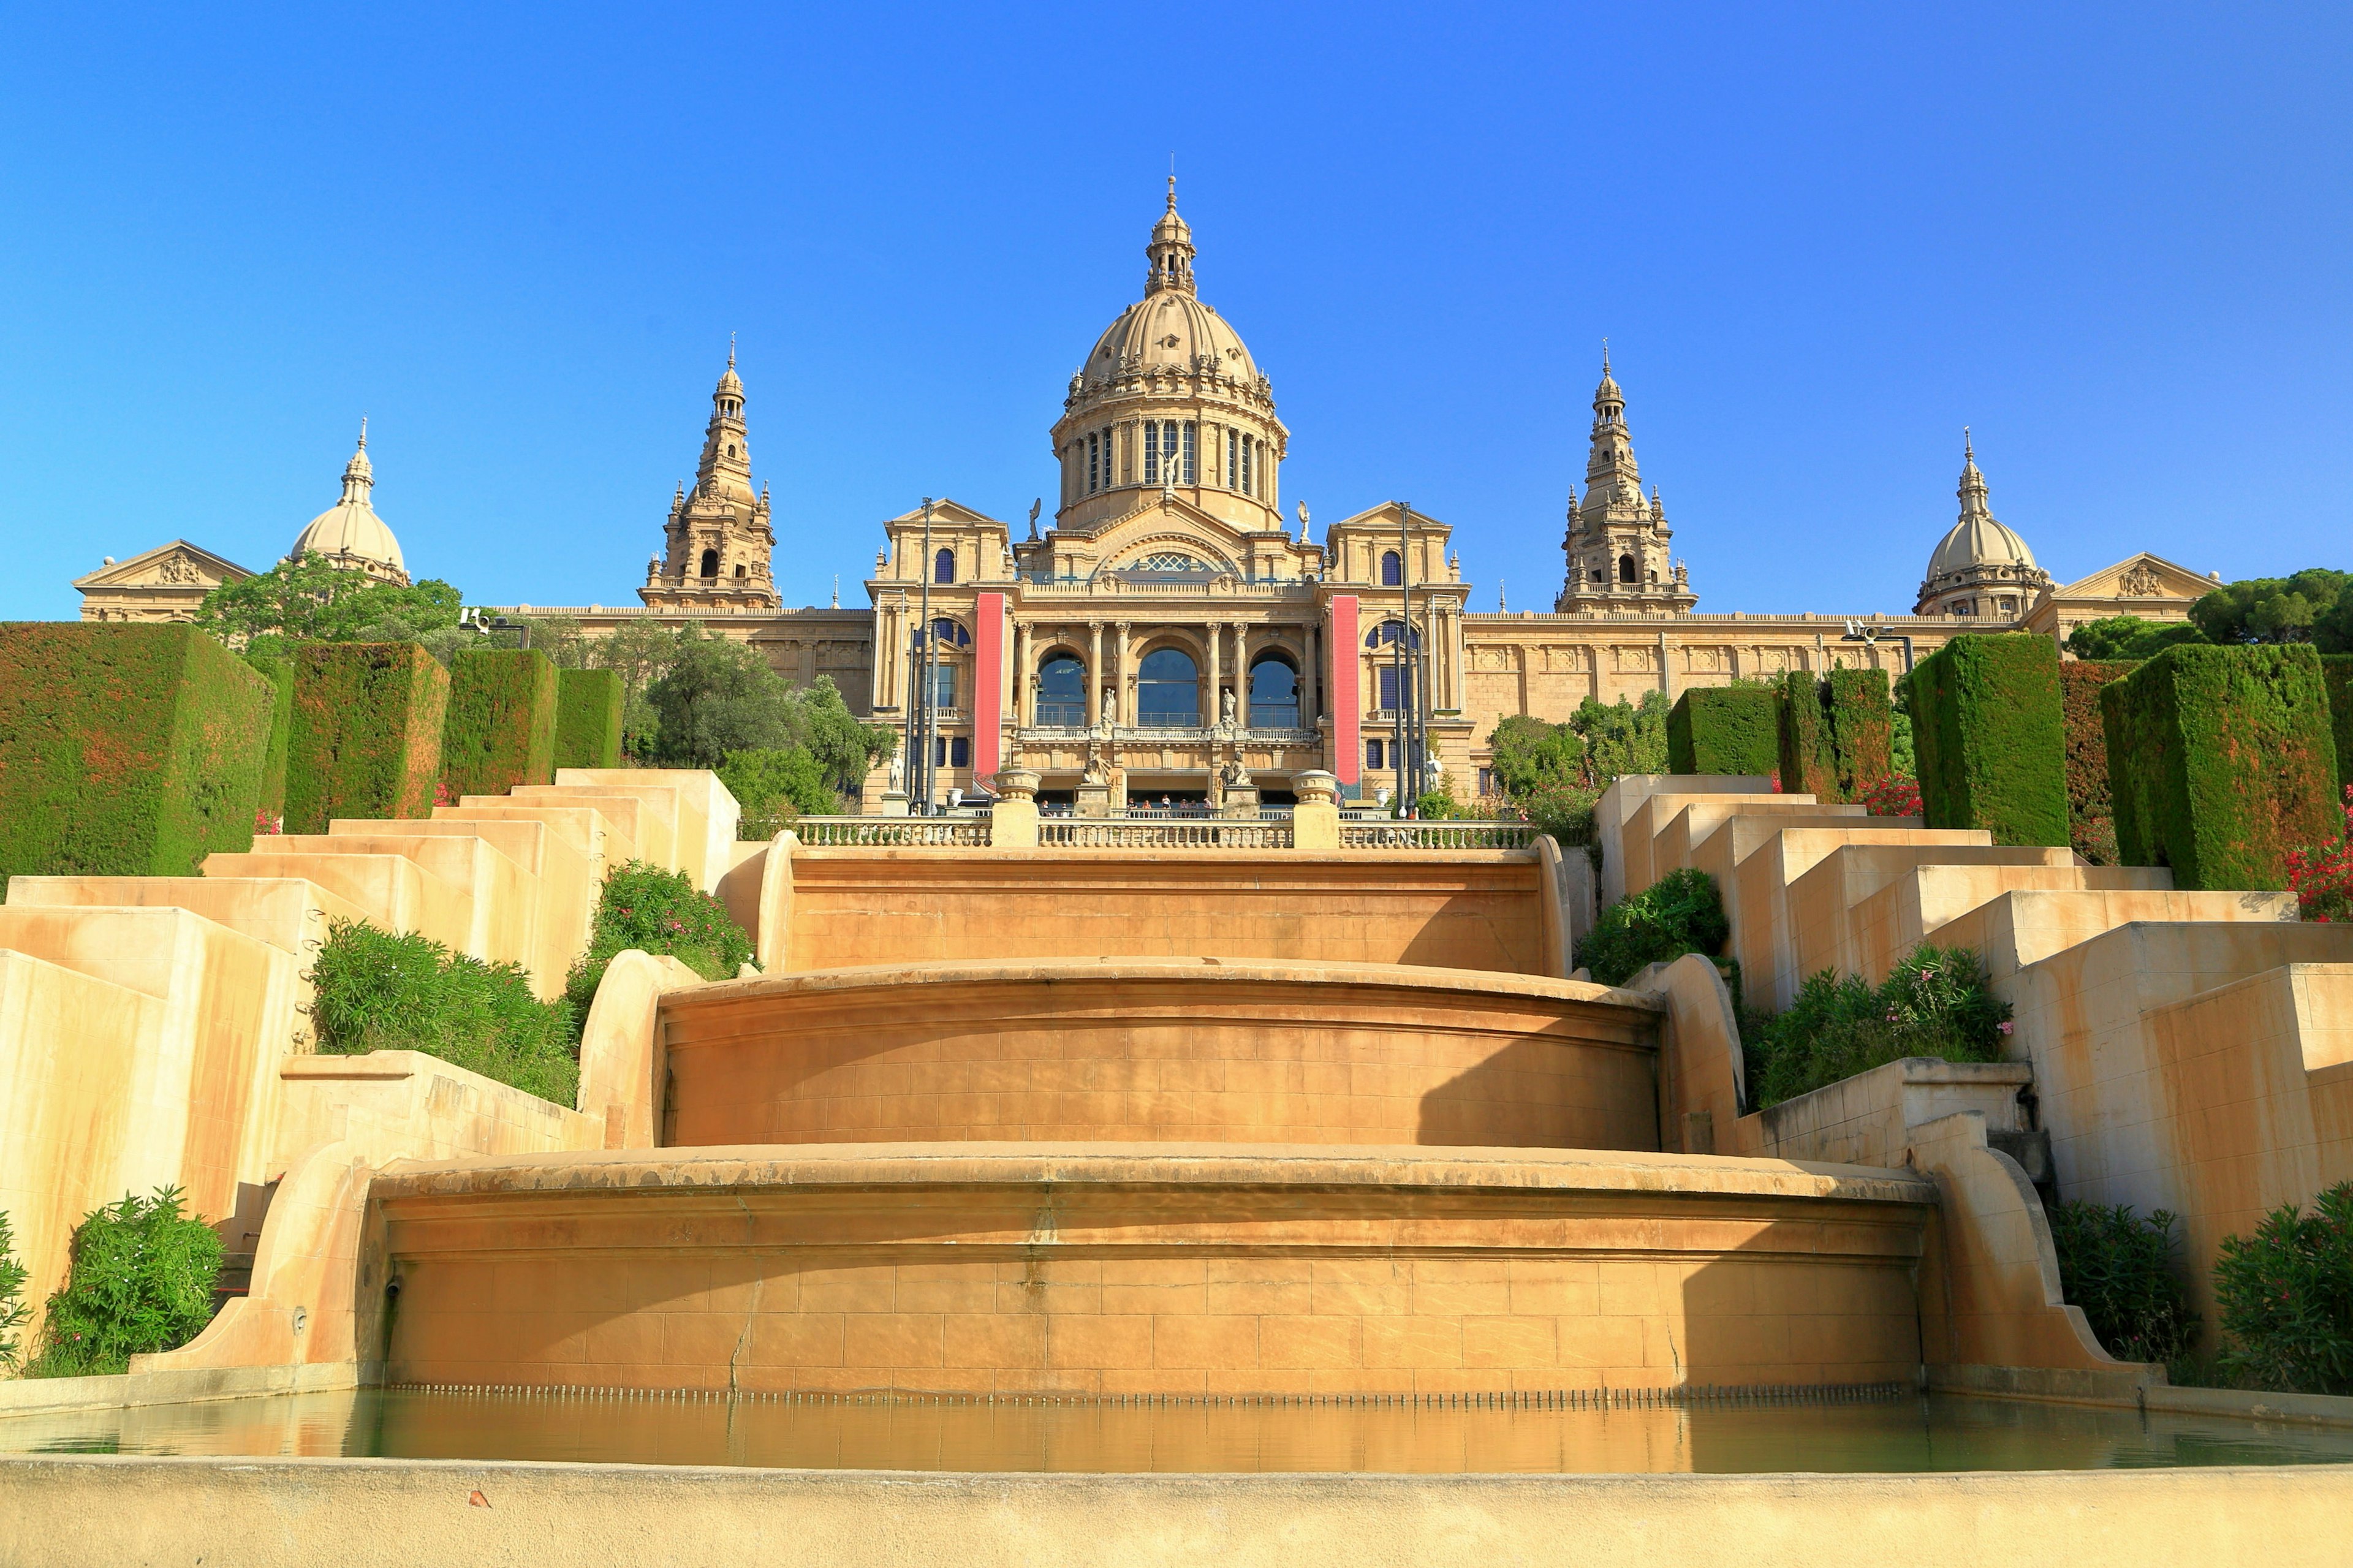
<point x="1106" y="1271"/>
<point x="1162" y="1050"/>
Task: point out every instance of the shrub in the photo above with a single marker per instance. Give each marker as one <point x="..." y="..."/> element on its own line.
<point x="1987" y="726"/>
<point x="2091" y="809"/>
<point x="1861" y="729"/>
<point x="1897" y="795"/>
<point x="1722" y="729"/>
<point x="13" y="1308"/>
<point x="2128" y="638"/>
<point x="2322" y="876"/>
<point x="1679" y="913"/>
<point x="1935" y="1003"/>
<point x="2221" y="760"/>
<point x="1808" y="765"/>
<point x="2336" y="675"/>
<point x="776" y="786"/>
<point x="500" y="727"/>
<point x="2316" y="605"/>
<point x="2287" y="1299"/>
<point x="366" y="738"/>
<point x="130" y="751"/>
<point x="657" y="911"/>
<point x="588" y="706"/>
<point x="379" y="992"/>
<point x="142" y="1281"/>
<point x="280" y="675"/>
<point x="2119" y="1268"/>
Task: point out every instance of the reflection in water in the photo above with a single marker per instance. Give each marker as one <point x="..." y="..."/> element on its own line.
<point x="1938" y="1433"/>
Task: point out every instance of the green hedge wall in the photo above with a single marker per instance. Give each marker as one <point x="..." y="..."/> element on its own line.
<point x="501" y="728"/>
<point x="125" y="750"/>
<point x="2221" y="760"/>
<point x="2337" y="671"/>
<point x="588" y="718"/>
<point x="2090" y="810"/>
<point x="1725" y="730"/>
<point x="1808" y="766"/>
<point x="366" y="740"/>
<point x="1988" y="728"/>
<point x="281" y="676"/>
<point x="1862" y="730"/>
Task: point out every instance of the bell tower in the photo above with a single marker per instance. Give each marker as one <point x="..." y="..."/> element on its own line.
<point x="1616" y="544"/>
<point x="717" y="544"/>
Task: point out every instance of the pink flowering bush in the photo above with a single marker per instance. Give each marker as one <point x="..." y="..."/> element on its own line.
<point x="2322" y="876"/>
<point x="1936" y="1002"/>
<point x="1894" y="795"/>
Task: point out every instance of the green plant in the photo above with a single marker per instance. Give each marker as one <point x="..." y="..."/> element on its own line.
<point x="498" y="730"/>
<point x="1987" y="726"/>
<point x="588" y="708"/>
<point x="280" y="675"/>
<point x="2120" y="1268"/>
<point x="2337" y="676"/>
<point x="657" y="911"/>
<point x="1720" y="730"/>
<point x="142" y="1281"/>
<point x="774" y="786"/>
<point x="1679" y="913"/>
<point x="2091" y="807"/>
<point x="13" y="1308"/>
<point x="1808" y="766"/>
<point x="131" y="750"/>
<point x="365" y="737"/>
<point x="374" y="991"/>
<point x="2221" y="760"/>
<point x="1528" y="755"/>
<point x="312" y="600"/>
<point x="2285" y="1296"/>
<point x="1861" y="729"/>
<point x="2316" y="605"/>
<point x="1622" y="737"/>
<point x="2128" y="638"/>
<point x="1935" y="1002"/>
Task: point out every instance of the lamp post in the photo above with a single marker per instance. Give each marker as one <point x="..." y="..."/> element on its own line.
<point x="927" y="723"/>
<point x="1856" y="631"/>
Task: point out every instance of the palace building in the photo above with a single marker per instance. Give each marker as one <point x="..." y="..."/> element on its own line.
<point x="1170" y="635"/>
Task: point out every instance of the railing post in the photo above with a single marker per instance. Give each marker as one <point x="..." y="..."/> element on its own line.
<point x="1315" y="820"/>
<point x="1013" y="820"/>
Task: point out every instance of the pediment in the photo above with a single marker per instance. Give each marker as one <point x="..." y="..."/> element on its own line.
<point x="949" y="514"/>
<point x="2142" y="576"/>
<point x="1169" y="529"/>
<point x="178" y="564"/>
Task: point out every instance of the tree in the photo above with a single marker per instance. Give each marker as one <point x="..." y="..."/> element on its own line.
<point x="1622" y="737"/>
<point x="2129" y="637"/>
<point x="775" y="785"/>
<point x="2316" y="605"/>
<point x="717" y="697"/>
<point x="641" y="652"/>
<point x="1529" y="754"/>
<point x="312" y="600"/>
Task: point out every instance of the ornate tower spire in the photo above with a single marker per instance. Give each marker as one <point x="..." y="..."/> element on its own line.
<point x="359" y="474"/>
<point x="1618" y="557"/>
<point x="726" y="465"/>
<point x="1171" y="251"/>
<point x="1611" y="475"/>
<point x="1972" y="490"/>
<point x="718" y="543"/>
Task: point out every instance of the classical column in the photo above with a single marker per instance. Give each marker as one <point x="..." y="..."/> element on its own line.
<point x="1122" y="707"/>
<point x="1217" y="631"/>
<point x="1310" y="677"/>
<point x="1021" y="674"/>
<point x="1094" y="673"/>
<point x="1241" y="673"/>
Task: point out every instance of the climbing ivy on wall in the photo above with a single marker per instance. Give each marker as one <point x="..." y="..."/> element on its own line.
<point x="499" y="729"/>
<point x="2221" y="760"/>
<point x="125" y="750"/>
<point x="365" y="737"/>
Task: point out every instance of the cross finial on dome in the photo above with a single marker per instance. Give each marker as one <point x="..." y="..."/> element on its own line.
<point x="362" y="432"/>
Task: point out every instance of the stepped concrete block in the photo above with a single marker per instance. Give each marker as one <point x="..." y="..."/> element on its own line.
<point x="2013" y="929"/>
<point x="1917" y="907"/>
<point x="1639" y="839"/>
<point x="646" y="820"/>
<point x="288" y="913"/>
<point x="1824" y="903"/>
<point x="200" y="1095"/>
<point x="1672" y="847"/>
<point x="391" y="891"/>
<point x="560" y="898"/>
<point x="594" y="832"/>
<point x="71" y="1044"/>
<point x="1630" y="790"/>
<point x="494" y="892"/>
<point x="704" y="817"/>
<point x="403" y="1105"/>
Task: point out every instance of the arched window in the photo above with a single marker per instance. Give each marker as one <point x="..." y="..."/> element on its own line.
<point x="730" y="448"/>
<point x="1392" y="570"/>
<point x="1388" y="632"/>
<point x="710" y="564"/>
<point x="1063" y="692"/>
<point x="950" y="635"/>
<point x="1168" y="690"/>
<point x="944" y="566"/>
<point x="1626" y="573"/>
<point x="1273" y="694"/>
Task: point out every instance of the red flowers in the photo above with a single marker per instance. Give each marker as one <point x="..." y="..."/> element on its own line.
<point x="2322" y="876"/>
<point x="1894" y="795"/>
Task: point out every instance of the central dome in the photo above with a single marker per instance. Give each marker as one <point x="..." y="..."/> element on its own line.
<point x="349" y="534"/>
<point x="1168" y="329"/>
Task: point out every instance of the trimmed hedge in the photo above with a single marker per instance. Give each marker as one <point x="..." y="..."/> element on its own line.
<point x="365" y="740"/>
<point x="2221" y="760"/>
<point x="1862" y="730"/>
<point x="589" y="718"/>
<point x="1838" y="735"/>
<point x="1725" y="730"/>
<point x="281" y="676"/>
<point x="2337" y="673"/>
<point x="2091" y="809"/>
<point x="499" y="730"/>
<point x="1987" y="722"/>
<point x="127" y="751"/>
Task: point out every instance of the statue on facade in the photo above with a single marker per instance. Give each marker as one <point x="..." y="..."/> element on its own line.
<point x="898" y="770"/>
<point x="1233" y="774"/>
<point x="1095" y="772"/>
<point x="1226" y="706"/>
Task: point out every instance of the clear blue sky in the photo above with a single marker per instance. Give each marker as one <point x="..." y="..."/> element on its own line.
<point x="1821" y="240"/>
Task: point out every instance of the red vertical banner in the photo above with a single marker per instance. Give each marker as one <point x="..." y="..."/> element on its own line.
<point x="988" y="687"/>
<point x="1348" y="705"/>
